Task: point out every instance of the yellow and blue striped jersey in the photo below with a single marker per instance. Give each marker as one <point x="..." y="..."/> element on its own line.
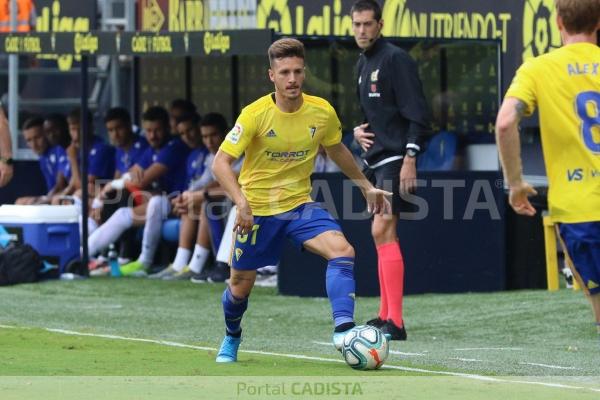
<point x="565" y="85"/>
<point x="280" y="150"/>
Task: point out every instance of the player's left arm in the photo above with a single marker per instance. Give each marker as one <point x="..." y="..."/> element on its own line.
<point x="227" y="178"/>
<point x="509" y="148"/>
<point x="412" y="105"/>
<point x="410" y="99"/>
<point x="377" y="202"/>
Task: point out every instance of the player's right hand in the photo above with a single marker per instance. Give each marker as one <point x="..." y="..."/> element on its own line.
<point x="377" y="201"/>
<point x="518" y="198"/>
<point x="364" y="139"/>
<point x="244" y="221"/>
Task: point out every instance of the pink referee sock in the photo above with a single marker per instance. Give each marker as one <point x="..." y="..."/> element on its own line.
<point x="383" y="307"/>
<point x="392" y="272"/>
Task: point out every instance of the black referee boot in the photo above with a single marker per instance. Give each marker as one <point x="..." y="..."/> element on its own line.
<point x="394" y="331"/>
<point x="376" y="322"/>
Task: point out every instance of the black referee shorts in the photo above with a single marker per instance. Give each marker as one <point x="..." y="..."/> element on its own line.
<point x="387" y="177"/>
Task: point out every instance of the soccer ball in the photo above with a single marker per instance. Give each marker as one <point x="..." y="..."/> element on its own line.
<point x="365" y="347"/>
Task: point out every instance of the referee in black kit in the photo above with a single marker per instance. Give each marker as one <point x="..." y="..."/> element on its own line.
<point x="396" y="121"/>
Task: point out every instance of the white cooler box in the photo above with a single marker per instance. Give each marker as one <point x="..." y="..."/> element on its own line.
<point x="52" y="230"/>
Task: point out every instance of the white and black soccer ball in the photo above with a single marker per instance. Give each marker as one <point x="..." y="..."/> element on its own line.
<point x="365" y="347"/>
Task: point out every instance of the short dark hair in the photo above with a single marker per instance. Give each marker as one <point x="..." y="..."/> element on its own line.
<point x="287" y="47"/>
<point x="59" y="120"/>
<point x="75" y="116"/>
<point x="118" y="113"/>
<point x="33" y="122"/>
<point x="367" y="5"/>
<point x="194" y="118"/>
<point x="157" y="113"/>
<point x="217" y="120"/>
<point x="185" y="105"/>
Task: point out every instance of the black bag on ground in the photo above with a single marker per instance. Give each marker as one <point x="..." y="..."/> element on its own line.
<point x="19" y="263"/>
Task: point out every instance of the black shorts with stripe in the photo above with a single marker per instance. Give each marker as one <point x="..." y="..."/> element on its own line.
<point x="387" y="177"/>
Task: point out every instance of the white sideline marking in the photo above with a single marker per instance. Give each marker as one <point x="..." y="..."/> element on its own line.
<point x="467" y="359"/>
<point x="102" y="307"/>
<point x="490" y="348"/>
<point x="391" y="351"/>
<point x="547" y="365"/>
<point x="473" y="359"/>
<point x="302" y="357"/>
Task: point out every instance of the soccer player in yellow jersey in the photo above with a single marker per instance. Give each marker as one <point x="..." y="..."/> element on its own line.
<point x="565" y="86"/>
<point x="280" y="135"/>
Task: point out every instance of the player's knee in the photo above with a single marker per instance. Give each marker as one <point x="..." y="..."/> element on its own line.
<point x="343" y="250"/>
<point x="123" y="214"/>
<point x="383" y="232"/>
<point x="157" y="207"/>
<point x="154" y="204"/>
<point x="240" y="286"/>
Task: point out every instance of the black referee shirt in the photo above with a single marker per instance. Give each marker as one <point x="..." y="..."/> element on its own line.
<point x="392" y="101"/>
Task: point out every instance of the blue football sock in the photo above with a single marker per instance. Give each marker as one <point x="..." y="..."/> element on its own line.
<point x="234" y="309"/>
<point x="340" y="289"/>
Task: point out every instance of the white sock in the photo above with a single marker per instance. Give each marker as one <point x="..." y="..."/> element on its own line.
<point x="199" y="258"/>
<point x="157" y="211"/>
<point x="269" y="269"/>
<point x="181" y="258"/>
<point x="224" y="253"/>
<point x="92" y="225"/>
<point x="110" y="231"/>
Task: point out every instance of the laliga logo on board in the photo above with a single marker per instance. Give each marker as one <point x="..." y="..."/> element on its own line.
<point x="397" y="21"/>
<point x="85" y="42"/>
<point x="50" y="19"/>
<point x="540" y="33"/>
<point x="274" y="14"/>
<point x="304" y="17"/>
<point x="216" y="42"/>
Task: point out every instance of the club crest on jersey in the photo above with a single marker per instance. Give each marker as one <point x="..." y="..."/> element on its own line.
<point x="375" y="76"/>
<point x="313" y="130"/>
<point x="271" y="133"/>
<point x="234" y="135"/>
<point x="238" y="254"/>
<point x="374" y="92"/>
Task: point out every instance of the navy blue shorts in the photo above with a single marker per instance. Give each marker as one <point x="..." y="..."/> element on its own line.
<point x="264" y="244"/>
<point x="582" y="242"/>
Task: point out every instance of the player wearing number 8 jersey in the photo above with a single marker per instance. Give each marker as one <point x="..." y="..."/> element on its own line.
<point x="565" y="86"/>
<point x="280" y="135"/>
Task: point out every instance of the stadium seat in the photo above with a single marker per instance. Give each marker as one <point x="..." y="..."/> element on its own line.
<point x="440" y="153"/>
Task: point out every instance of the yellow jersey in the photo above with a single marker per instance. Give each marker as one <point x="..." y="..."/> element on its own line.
<point x="280" y="150"/>
<point x="565" y="85"/>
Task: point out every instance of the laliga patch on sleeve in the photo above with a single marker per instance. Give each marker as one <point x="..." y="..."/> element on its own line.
<point x="234" y="135"/>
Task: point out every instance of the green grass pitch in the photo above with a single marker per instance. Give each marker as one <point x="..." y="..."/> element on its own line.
<point x="125" y="333"/>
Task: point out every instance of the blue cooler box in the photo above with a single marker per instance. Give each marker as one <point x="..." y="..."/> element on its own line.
<point x="52" y="230"/>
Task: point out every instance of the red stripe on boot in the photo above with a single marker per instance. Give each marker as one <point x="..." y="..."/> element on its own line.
<point x="392" y="266"/>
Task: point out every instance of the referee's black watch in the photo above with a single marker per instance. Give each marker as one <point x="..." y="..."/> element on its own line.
<point x="412" y="153"/>
<point x="7" y="161"/>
